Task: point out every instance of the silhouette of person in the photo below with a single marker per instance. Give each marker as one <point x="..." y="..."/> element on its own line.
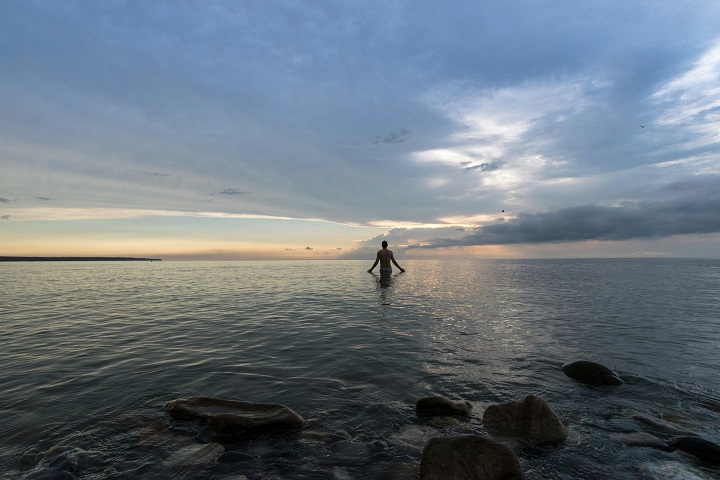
<point x="385" y="256"/>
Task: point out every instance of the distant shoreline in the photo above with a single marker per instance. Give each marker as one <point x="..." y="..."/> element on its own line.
<point x="77" y="259"/>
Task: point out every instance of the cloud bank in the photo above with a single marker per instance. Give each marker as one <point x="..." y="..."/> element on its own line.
<point x="694" y="213"/>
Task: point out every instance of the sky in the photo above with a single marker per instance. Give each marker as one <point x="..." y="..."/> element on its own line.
<point x="315" y="129"/>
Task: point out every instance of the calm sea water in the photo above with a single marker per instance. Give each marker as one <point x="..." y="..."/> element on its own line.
<point x="90" y="353"/>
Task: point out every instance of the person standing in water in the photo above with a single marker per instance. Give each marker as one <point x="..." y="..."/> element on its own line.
<point x="385" y="256"/>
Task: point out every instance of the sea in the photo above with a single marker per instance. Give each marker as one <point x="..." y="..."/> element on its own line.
<point x="90" y="353"/>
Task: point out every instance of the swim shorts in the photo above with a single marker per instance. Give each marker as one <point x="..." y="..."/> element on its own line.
<point x="385" y="271"/>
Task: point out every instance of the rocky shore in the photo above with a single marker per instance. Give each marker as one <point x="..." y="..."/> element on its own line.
<point x="449" y="446"/>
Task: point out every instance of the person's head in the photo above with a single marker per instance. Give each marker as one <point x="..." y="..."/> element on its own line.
<point x="384" y="244"/>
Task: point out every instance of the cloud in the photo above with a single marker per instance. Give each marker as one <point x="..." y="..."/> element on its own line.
<point x="484" y="167"/>
<point x="60" y="214"/>
<point x="5" y="217"/>
<point x="393" y="137"/>
<point x="401" y="237"/>
<point x="687" y="105"/>
<point x="308" y="248"/>
<point x="229" y="191"/>
<point x="4" y="200"/>
<point x="43" y="199"/>
<point x="525" y="110"/>
<point x="700" y="185"/>
<point x="694" y="213"/>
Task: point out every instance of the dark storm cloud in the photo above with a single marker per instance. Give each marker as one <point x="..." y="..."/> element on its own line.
<point x="695" y="213"/>
<point x="4" y="200"/>
<point x="704" y="184"/>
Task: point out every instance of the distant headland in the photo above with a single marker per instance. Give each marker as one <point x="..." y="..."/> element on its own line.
<point x="77" y="259"/>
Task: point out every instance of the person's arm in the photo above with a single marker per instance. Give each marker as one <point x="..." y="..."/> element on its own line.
<point x="377" y="259"/>
<point x="392" y="258"/>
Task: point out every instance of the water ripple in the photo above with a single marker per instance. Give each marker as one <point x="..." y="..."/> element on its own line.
<point x="91" y="352"/>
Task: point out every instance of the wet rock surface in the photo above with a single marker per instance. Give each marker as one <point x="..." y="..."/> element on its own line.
<point x="639" y="439"/>
<point x="440" y="406"/>
<point x="530" y="418"/>
<point x="228" y="418"/>
<point x="468" y="457"/>
<point x="591" y="373"/>
<point x="705" y="450"/>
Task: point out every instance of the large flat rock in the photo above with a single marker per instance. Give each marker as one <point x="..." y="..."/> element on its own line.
<point x="233" y="417"/>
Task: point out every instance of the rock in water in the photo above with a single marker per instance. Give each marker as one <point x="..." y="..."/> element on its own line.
<point x="530" y="417"/>
<point x="591" y="373"/>
<point x="468" y="457"/>
<point x="663" y="426"/>
<point x="439" y="406"/>
<point x="185" y="460"/>
<point x="705" y="450"/>
<point x="641" y="439"/>
<point x="228" y="418"/>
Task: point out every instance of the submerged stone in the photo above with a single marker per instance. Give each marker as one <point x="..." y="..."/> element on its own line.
<point x="440" y="406"/>
<point x="705" y="450"/>
<point x="639" y="439"/>
<point x="530" y="418"/>
<point x="65" y="461"/>
<point x="591" y="373"/>
<point x="196" y="455"/>
<point x="468" y="457"/>
<point x="153" y="429"/>
<point x="231" y="417"/>
<point x="662" y="426"/>
<point x="415" y="436"/>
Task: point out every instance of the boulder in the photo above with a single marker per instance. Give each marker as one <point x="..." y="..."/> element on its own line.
<point x="705" y="450"/>
<point x="228" y="418"/>
<point x="530" y="418"/>
<point x="591" y="373"/>
<point x="468" y="457"/>
<point x="440" y="406"/>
